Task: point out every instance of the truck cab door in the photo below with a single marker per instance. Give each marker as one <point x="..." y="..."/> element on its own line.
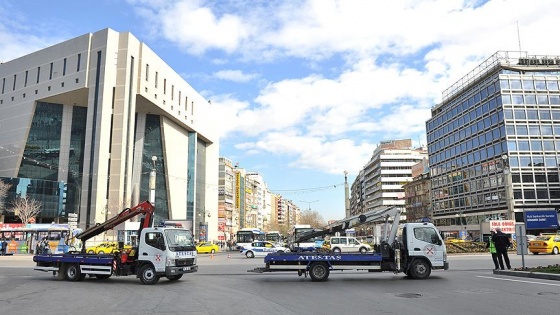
<point x="424" y="241"/>
<point x="152" y="248"/>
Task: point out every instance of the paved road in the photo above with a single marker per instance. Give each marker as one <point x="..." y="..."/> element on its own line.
<point x="223" y="286"/>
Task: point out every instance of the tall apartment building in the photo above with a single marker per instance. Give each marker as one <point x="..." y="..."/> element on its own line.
<point x="83" y="124"/>
<point x="493" y="142"/>
<point x="388" y="170"/>
<point x="226" y="197"/>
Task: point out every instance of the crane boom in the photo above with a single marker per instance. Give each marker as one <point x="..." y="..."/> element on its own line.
<point x="145" y="208"/>
<point x="384" y="214"/>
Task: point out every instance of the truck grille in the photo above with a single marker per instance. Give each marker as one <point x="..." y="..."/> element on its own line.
<point x="184" y="262"/>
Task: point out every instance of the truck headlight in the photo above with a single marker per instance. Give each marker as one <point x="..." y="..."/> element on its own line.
<point x="170" y="262"/>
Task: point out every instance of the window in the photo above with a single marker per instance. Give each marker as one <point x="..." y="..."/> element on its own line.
<point x="51" y="71"/>
<point x="78" y="64"/>
<point x="155" y="239"/>
<point x="26" y="74"/>
<point x="3" y="84"/>
<point x="155" y="84"/>
<point x="426" y="234"/>
<point x="147" y="71"/>
<point x="38" y="73"/>
<point x="64" y="67"/>
<point x="15" y="78"/>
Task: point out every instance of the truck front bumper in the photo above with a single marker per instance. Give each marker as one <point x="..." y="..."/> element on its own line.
<point x="173" y="271"/>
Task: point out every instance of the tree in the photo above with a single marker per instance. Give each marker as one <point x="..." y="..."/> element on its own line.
<point x="3" y="193"/>
<point x="312" y="218"/>
<point x="26" y="208"/>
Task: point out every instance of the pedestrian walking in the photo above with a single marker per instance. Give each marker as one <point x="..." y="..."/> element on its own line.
<point x="492" y="249"/>
<point x="4" y="246"/>
<point x="502" y="243"/>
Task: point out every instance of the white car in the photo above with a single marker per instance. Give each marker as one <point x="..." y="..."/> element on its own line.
<point x="347" y="244"/>
<point x="262" y="248"/>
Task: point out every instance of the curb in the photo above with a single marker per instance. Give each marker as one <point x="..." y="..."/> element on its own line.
<point x="528" y="274"/>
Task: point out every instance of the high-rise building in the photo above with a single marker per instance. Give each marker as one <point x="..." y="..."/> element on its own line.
<point x="493" y="142"/>
<point x="98" y="123"/>
<point x="226" y="197"/>
<point x="388" y="170"/>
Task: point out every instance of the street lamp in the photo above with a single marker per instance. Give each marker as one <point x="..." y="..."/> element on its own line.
<point x="509" y="188"/>
<point x="309" y="203"/>
<point x="460" y="217"/>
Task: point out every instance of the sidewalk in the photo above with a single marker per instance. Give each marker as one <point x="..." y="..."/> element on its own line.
<point x="528" y="274"/>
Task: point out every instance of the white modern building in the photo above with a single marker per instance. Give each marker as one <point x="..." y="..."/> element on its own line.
<point x="83" y="123"/>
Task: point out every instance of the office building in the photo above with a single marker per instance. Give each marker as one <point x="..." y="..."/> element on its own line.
<point x="99" y="123"/>
<point x="493" y="143"/>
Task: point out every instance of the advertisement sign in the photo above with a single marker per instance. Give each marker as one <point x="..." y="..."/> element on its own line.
<point x="542" y="219"/>
<point x="507" y="226"/>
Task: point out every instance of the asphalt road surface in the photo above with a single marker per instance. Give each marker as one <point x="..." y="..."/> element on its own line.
<point x="223" y="286"/>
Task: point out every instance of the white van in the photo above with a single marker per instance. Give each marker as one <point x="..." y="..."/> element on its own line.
<point x="347" y="244"/>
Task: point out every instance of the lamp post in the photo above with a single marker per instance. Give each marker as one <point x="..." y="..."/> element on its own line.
<point x="309" y="203"/>
<point x="509" y="188"/>
<point x="460" y="217"/>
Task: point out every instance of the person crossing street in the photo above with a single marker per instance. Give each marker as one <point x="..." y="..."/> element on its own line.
<point x="502" y="244"/>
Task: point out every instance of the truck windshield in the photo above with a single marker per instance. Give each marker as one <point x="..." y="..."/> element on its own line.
<point x="179" y="240"/>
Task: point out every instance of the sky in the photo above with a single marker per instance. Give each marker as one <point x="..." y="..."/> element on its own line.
<point x="305" y="89"/>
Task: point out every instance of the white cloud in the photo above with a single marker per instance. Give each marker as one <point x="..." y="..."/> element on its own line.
<point x="234" y="75"/>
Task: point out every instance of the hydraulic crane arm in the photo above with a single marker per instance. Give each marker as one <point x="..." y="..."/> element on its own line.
<point x="145" y="208"/>
<point x="384" y="214"/>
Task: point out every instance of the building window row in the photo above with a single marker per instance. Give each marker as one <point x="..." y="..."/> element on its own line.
<point x="52" y="72"/>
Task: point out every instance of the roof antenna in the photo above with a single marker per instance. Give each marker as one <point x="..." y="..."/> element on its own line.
<point x="518" y="37"/>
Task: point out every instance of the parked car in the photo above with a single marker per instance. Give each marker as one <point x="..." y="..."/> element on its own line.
<point x="206" y="248"/>
<point x="348" y="244"/>
<point x="545" y="244"/>
<point x="262" y="248"/>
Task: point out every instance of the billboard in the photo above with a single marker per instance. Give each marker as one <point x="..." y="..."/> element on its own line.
<point x="507" y="226"/>
<point x="542" y="219"/>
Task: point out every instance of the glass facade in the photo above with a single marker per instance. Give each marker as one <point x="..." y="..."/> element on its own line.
<point x="153" y="146"/>
<point x="504" y="113"/>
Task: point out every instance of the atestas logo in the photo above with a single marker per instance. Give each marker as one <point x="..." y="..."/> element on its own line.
<point x="320" y="257"/>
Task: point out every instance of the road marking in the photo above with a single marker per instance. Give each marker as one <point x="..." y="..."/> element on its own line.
<point x="524" y="281"/>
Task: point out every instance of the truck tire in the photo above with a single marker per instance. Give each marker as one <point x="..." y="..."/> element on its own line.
<point x="420" y="269"/>
<point x="61" y="274"/>
<point x="148" y="274"/>
<point x="72" y="273"/>
<point x="174" y="278"/>
<point x="319" y="272"/>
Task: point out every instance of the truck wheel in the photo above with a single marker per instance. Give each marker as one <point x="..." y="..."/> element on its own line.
<point x="319" y="272"/>
<point x="61" y="274"/>
<point x="420" y="269"/>
<point x="363" y="250"/>
<point x="336" y="250"/>
<point x="174" y="278"/>
<point x="250" y="254"/>
<point x="148" y="275"/>
<point x="73" y="273"/>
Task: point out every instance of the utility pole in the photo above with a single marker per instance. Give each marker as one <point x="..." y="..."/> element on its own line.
<point x="346" y="195"/>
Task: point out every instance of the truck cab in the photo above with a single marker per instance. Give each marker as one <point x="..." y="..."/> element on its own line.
<point x="422" y="248"/>
<point x="168" y="252"/>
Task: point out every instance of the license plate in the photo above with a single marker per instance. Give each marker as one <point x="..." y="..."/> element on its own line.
<point x="536" y="244"/>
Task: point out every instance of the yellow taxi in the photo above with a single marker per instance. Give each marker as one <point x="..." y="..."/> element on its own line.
<point x="206" y="248"/>
<point x="105" y="248"/>
<point x="545" y="244"/>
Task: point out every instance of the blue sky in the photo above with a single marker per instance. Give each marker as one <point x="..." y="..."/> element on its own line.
<point x="305" y="89"/>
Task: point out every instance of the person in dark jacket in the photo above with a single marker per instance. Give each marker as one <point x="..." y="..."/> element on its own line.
<point x="501" y="241"/>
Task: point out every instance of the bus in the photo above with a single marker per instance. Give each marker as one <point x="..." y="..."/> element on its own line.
<point x="23" y="239"/>
<point x="274" y="237"/>
<point x="298" y="231"/>
<point x="246" y="236"/>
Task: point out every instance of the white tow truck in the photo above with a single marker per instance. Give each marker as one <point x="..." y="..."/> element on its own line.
<point x="412" y="248"/>
<point x="162" y="252"/>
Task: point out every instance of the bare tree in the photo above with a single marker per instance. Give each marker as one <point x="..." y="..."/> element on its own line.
<point x="312" y="218"/>
<point x="3" y="193"/>
<point x="26" y="208"/>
